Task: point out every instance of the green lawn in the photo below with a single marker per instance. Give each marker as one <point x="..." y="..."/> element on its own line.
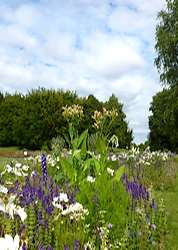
<point x="171" y="206"/>
<point x="12" y="148"/>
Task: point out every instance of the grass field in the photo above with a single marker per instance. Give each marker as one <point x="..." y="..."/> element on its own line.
<point x="171" y="205"/>
<point x="10" y="149"/>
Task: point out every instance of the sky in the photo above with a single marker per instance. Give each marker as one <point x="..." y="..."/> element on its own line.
<point x="99" y="47"/>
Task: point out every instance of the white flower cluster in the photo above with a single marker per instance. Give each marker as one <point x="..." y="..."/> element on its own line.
<point x="9" y="243"/>
<point x="110" y="171"/>
<point x="90" y="179"/>
<point x="7" y="206"/>
<point x="17" y="169"/>
<point x="75" y="211"/>
<point x="3" y="189"/>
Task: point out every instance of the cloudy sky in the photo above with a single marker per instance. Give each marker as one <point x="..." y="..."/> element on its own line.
<point x="94" y="47"/>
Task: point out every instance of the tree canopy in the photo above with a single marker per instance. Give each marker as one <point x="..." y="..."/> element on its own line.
<point x="32" y="120"/>
<point x="163" y="123"/>
<point x="167" y="44"/>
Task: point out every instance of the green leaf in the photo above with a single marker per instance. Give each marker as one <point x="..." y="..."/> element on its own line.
<point x="87" y="164"/>
<point x="111" y="164"/>
<point x="67" y="167"/>
<point x="59" y="177"/>
<point x="82" y="137"/>
<point x="97" y="165"/>
<point x="67" y="140"/>
<point x="118" y="174"/>
<point x="76" y="154"/>
<point x="101" y="145"/>
<point x="84" y="149"/>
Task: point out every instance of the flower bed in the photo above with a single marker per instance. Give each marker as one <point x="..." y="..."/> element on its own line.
<point x="111" y="205"/>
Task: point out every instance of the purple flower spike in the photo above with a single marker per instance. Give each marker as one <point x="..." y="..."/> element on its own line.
<point x="44" y="167"/>
<point x="76" y="245"/>
<point x="66" y="247"/>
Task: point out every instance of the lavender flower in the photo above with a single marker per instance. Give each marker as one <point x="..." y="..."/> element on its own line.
<point x="76" y="245"/>
<point x="44" y="167"/>
<point x="66" y="247"/>
<point x="22" y="228"/>
<point x="110" y="225"/>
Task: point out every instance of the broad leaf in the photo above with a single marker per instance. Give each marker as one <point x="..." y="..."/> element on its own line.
<point x="101" y="145"/>
<point x="82" y="137"/>
<point x="118" y="174"/>
<point x="67" y="167"/>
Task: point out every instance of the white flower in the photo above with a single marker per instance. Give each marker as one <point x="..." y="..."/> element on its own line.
<point x="3" y="189"/>
<point x="18" y="165"/>
<point x="56" y="204"/>
<point x="90" y="179"/>
<point x="66" y="211"/>
<point x="110" y="171"/>
<point x="25" y="168"/>
<point x="12" y="209"/>
<point x="20" y="211"/>
<point x="25" y="153"/>
<point x="77" y="207"/>
<point x="9" y="206"/>
<point x="8" y="168"/>
<point x="63" y="197"/>
<point x="8" y="243"/>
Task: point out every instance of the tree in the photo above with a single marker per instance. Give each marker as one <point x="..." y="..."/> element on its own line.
<point x="167" y="44"/>
<point x="162" y="122"/>
<point x="89" y="106"/>
<point x="10" y="110"/>
<point x="120" y="125"/>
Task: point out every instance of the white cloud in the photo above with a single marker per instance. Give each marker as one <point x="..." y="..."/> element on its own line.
<point x="95" y="47"/>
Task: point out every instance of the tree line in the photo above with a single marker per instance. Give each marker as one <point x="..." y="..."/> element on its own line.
<point x="163" y="122"/>
<point x="32" y="120"/>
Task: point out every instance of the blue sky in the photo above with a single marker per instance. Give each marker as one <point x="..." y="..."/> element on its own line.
<point x="94" y="47"/>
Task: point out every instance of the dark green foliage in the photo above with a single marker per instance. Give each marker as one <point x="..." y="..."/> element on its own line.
<point x="167" y="43"/>
<point x="120" y="126"/>
<point x="31" y="121"/>
<point x="163" y="121"/>
<point x="10" y="110"/>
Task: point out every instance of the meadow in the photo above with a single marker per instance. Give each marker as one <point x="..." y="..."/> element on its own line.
<point x="88" y="196"/>
<point x="123" y="200"/>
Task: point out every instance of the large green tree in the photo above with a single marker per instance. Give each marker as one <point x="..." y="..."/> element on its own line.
<point x="162" y="123"/>
<point x="167" y="43"/>
<point x="10" y="111"/>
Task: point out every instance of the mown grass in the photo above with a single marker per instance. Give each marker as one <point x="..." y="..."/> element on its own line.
<point x="171" y="206"/>
<point x="11" y="149"/>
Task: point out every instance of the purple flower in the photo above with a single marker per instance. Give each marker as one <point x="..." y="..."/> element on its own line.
<point x="101" y="234"/>
<point x="66" y="247"/>
<point x="139" y="233"/>
<point x="110" y="225"/>
<point x="133" y="235"/>
<point x="22" y="228"/>
<point x="148" y="219"/>
<point x="76" y="244"/>
<point x="44" y="167"/>
<point x="153" y="226"/>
